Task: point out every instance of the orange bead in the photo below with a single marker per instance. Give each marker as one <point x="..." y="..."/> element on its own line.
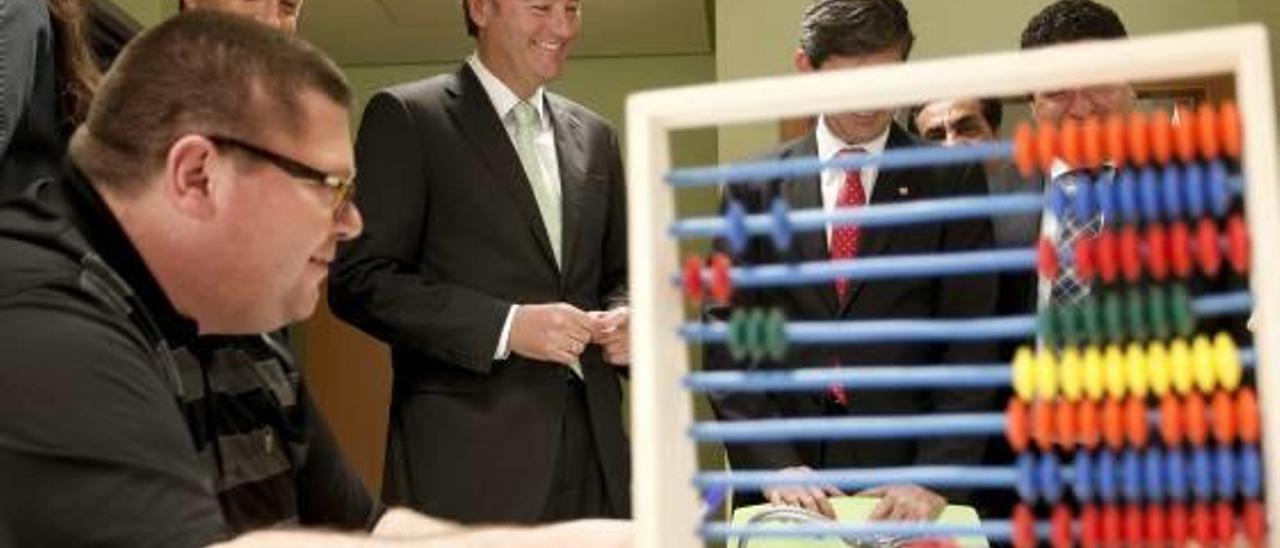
<point x="1069" y="140"/>
<point x="1064" y="418"/>
<point x="1170" y="421"/>
<point x="1139" y="139"/>
<point x="1207" y="132"/>
<point x="1016" y="431"/>
<point x="1091" y="139"/>
<point x="1184" y="135"/>
<point x="1194" y="419"/>
<point x="1247" y="416"/>
<point x="1024" y="150"/>
<point x="1042" y="424"/>
<point x="1224" y="417"/>
<point x="1116" y="146"/>
<point x="1136" y="425"/>
<point x="1087" y="421"/>
<point x="1113" y="423"/>
<point x="1229" y="122"/>
<point x="1161" y="138"/>
<point x="1046" y="146"/>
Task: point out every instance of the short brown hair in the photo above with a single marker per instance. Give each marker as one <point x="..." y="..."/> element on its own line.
<point x="854" y="27"/>
<point x="201" y="71"/>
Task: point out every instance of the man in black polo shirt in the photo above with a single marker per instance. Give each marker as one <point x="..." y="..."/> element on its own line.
<point x="203" y="198"/>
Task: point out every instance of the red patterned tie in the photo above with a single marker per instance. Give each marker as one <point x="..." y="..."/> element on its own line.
<point x="844" y="243"/>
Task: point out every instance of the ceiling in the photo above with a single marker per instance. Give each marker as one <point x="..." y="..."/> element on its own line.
<point x="385" y="32"/>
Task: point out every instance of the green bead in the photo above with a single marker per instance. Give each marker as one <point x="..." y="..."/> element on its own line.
<point x="1158" y="311"/>
<point x="756" y="333"/>
<point x="1068" y="325"/>
<point x="1113" y="316"/>
<point x="1136" y="315"/>
<point x="1184" y="321"/>
<point x="1091" y="317"/>
<point x="776" y="335"/>
<point x="738" y="335"/>
<point x="1048" y="327"/>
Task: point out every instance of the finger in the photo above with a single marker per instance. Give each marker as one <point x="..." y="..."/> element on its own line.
<point x="824" y="505"/>
<point x="883" y="509"/>
<point x="833" y="491"/>
<point x="807" y="501"/>
<point x="562" y="357"/>
<point x="774" y="496"/>
<point x="872" y="492"/>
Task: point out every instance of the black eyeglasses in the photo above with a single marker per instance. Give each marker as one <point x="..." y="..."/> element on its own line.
<point x="344" y="187"/>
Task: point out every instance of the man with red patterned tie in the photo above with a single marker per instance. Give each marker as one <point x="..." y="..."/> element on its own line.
<point x="848" y="35"/>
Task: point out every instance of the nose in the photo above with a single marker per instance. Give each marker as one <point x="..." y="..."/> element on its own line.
<point x="350" y="223"/>
<point x="1079" y="106"/>
<point x="565" y="24"/>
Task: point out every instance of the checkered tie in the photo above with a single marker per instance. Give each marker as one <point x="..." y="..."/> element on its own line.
<point x="1068" y="288"/>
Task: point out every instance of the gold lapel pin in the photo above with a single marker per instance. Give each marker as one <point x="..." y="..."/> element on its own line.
<point x="904" y="191"/>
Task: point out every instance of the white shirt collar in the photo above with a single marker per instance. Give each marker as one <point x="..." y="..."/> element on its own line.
<point x="829" y="145"/>
<point x="502" y="97"/>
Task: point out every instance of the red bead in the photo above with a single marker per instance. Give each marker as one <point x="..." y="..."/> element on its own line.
<point x="721" y="286"/>
<point x="1179" y="526"/>
<point x="1238" y="244"/>
<point x="1024" y="527"/>
<point x="1112" y="525"/>
<point x="1060" y="527"/>
<point x="1133" y="525"/>
<point x="1157" y="528"/>
<point x="1017" y="429"/>
<point x="1180" y="249"/>
<point x="1107" y="256"/>
<point x="1195" y="420"/>
<point x="1210" y="257"/>
<point x="1090" y="527"/>
<point x="1084" y="251"/>
<point x="1202" y="523"/>
<point x="1047" y="259"/>
<point x="1224" y="522"/>
<point x="1130" y="260"/>
<point x="1255" y="522"/>
<point x="693" y="279"/>
<point x="1157" y="252"/>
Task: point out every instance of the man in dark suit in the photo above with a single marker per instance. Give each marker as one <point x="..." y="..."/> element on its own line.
<point x="494" y="264"/>
<point x="849" y="34"/>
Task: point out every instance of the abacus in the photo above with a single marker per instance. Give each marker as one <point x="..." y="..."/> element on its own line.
<point x="1155" y="431"/>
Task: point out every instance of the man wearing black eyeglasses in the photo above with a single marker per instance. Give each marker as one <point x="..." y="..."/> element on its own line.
<point x="187" y="216"/>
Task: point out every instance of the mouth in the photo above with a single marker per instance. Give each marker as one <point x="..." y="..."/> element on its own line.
<point x="550" y="47"/>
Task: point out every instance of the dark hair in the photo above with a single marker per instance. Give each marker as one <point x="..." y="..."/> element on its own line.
<point x="854" y="27"/>
<point x="1071" y="21"/>
<point x="201" y="71"/>
<point x="472" y="29"/>
<point x="992" y="112"/>
<point x="77" y="71"/>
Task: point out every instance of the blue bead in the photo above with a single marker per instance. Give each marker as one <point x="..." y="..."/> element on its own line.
<point x="1250" y="472"/>
<point x="782" y="232"/>
<point x="1193" y="189"/>
<point x="1171" y="184"/>
<point x="1131" y="476"/>
<point x="1105" y="477"/>
<point x="1153" y="466"/>
<point x="1083" y="200"/>
<point x="1082" y="482"/>
<point x="1225" y="472"/>
<point x="736" y="229"/>
<point x="1050" y="478"/>
<point x="1219" y="192"/>
<point x="1177" y="475"/>
<point x="1149" y="190"/>
<point x="1059" y="203"/>
<point x="1201" y="474"/>
<point x="1108" y="202"/>
<point x="1027" y="478"/>
<point x="1127" y="191"/>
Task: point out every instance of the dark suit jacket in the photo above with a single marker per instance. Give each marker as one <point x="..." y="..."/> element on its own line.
<point x="32" y="134"/>
<point x="453" y="237"/>
<point x="949" y="297"/>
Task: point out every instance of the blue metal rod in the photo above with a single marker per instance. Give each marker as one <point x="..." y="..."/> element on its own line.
<point x="995" y="529"/>
<point x="876" y="427"/>
<point x="889" y="159"/>
<point x="936" y="331"/>
<point x="963" y="477"/>
<point x="868" y="377"/>
<point x="924" y="265"/>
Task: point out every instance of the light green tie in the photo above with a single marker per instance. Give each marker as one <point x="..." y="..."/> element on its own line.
<point x="527" y="125"/>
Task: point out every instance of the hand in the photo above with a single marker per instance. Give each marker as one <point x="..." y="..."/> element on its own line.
<point x="905" y="503"/>
<point x="810" y="497"/>
<point x="597" y="533"/>
<point x="613" y="334"/>
<point x="555" y="332"/>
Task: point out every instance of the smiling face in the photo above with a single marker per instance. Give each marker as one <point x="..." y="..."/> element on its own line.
<point x="855" y="127"/>
<point x="525" y="43"/>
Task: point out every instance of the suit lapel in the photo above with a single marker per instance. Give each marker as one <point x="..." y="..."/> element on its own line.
<point x="571" y="157"/>
<point x="473" y="114"/>
<point x="891" y="186"/>
<point x="805" y="192"/>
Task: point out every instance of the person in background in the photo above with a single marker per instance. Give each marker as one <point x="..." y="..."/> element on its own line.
<point x="281" y="14"/>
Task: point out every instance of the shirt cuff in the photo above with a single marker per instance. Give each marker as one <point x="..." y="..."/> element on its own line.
<point x="504" y="341"/>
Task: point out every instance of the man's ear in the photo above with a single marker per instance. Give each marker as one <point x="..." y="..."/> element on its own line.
<point x="800" y="60"/>
<point x="188" y="183"/>
<point x="480" y="12"/>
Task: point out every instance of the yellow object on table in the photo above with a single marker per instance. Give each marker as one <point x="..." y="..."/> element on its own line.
<point x="849" y="510"/>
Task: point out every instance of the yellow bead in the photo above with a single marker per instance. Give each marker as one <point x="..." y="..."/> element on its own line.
<point x="1046" y="376"/>
<point x="1136" y="365"/>
<point x="1158" y="368"/>
<point x="1202" y="364"/>
<point x="1113" y="366"/>
<point x="1180" y="366"/>
<point x="1071" y="375"/>
<point x="1094" y="381"/>
<point x="1024" y="380"/>
<point x="1227" y="360"/>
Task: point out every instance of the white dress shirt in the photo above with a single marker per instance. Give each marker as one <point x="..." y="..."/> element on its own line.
<point x="830" y="145"/>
